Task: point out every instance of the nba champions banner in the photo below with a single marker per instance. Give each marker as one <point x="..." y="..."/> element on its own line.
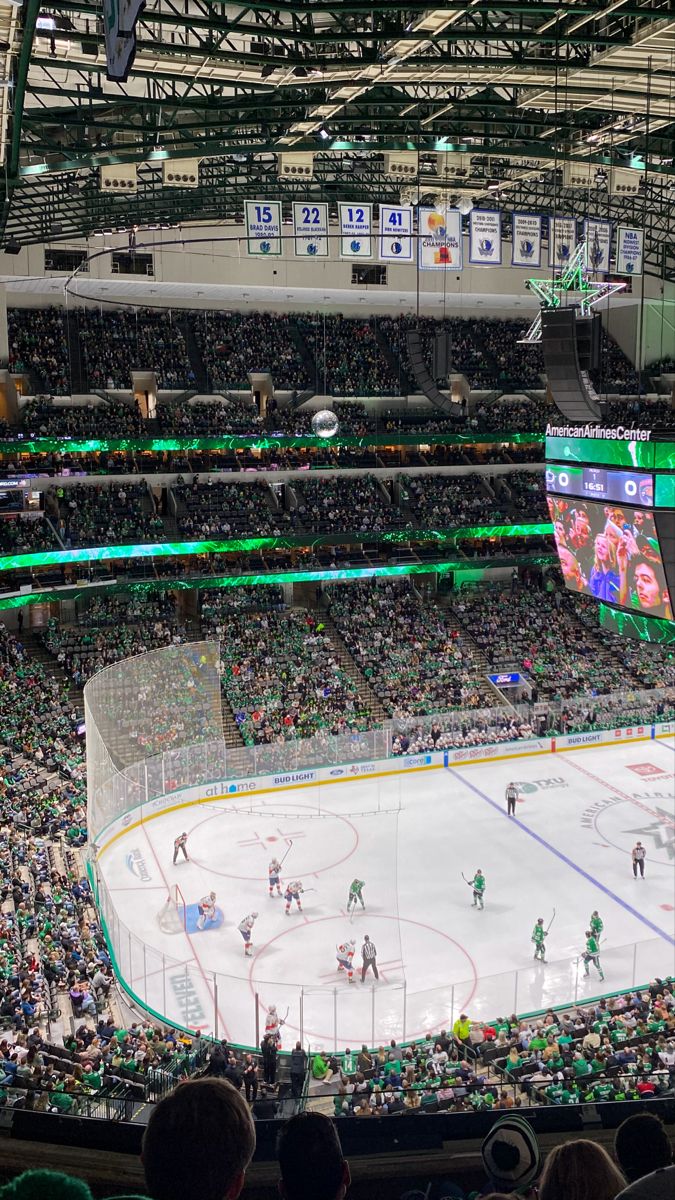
<point x="598" y="244"/>
<point x="526" y="243"/>
<point x="629" y="251"/>
<point x="485" y="238"/>
<point x="440" y="239"/>
<point x="356" y="231"/>
<point x="562" y="241"/>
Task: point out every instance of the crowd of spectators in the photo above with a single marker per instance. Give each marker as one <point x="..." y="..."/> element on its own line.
<point x="82" y="651"/>
<point x="105" y="515"/>
<point x="208" y="418"/>
<point x="26" y="535"/>
<point x="281" y="674"/>
<point x="562" y="657"/>
<point x="526" y="492"/>
<point x="38" y="344"/>
<point x="233" y="343"/>
<point x="107" y="419"/>
<point x="409" y="651"/>
<point x="114" y="343"/>
<point x="438" y="501"/>
<point x="356" y="503"/>
<point x="212" y="509"/>
<point x="348" y="358"/>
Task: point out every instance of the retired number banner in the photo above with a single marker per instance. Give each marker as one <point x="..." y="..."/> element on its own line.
<point x="310" y="230"/>
<point x="396" y="242"/>
<point x="562" y="240"/>
<point x="526" y="240"/>
<point x="440" y="239"/>
<point x="598" y="244"/>
<point x="263" y="227"/>
<point x="629" y="251"/>
<point x="485" y="238"/>
<point x="356" y="231"/>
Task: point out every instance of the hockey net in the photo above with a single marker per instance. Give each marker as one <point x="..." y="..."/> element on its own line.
<point x="171" y="918"/>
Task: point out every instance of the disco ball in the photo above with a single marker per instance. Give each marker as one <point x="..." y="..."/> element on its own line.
<point x="325" y="424"/>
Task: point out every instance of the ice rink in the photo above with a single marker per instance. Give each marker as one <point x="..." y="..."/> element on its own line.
<point x="410" y="837"/>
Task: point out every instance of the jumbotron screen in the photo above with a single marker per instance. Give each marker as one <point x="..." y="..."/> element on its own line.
<point x="612" y="553"/>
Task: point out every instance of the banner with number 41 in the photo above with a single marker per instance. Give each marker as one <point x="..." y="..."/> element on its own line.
<point x="396" y="233"/>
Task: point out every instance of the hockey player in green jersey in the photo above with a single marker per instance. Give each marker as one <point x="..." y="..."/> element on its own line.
<point x="592" y="955"/>
<point x="478" y="885"/>
<point x="355" y="894"/>
<point x="539" y="935"/>
<point x="596" y="925"/>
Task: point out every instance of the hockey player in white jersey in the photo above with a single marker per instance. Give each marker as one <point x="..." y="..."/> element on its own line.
<point x="245" y="928"/>
<point x="294" y="890"/>
<point x="207" y="909"/>
<point x="344" y="952"/>
<point x="274" y="871"/>
<point x="273" y="1024"/>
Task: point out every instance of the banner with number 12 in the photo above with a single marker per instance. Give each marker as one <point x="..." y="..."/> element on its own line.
<point x="356" y="229"/>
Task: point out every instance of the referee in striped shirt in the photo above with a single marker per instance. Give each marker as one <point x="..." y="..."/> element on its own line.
<point x="368" y="958"/>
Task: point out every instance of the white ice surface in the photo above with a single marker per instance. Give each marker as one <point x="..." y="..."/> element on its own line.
<point x="409" y="837"/>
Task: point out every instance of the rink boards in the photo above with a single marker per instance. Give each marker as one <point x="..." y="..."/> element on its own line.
<point x="222" y="790"/>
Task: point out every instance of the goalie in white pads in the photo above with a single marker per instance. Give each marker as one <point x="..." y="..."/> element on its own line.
<point x="294" y="890"/>
<point x="274" y="871"/>
<point x="245" y="928"/>
<point x="344" y="952"/>
<point x="207" y="909"/>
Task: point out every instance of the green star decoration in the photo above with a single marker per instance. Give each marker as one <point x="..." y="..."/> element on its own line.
<point x="574" y="279"/>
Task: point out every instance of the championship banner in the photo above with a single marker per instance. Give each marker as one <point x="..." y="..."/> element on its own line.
<point x="629" y="251"/>
<point x="562" y="240"/>
<point x="440" y="239"/>
<point x="310" y="230"/>
<point x="485" y="238"/>
<point x="356" y="230"/>
<point x="526" y="240"/>
<point x="396" y="242"/>
<point x="263" y="227"/>
<point x="598" y="245"/>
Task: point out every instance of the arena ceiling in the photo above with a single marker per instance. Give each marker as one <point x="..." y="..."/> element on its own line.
<point x="520" y="87"/>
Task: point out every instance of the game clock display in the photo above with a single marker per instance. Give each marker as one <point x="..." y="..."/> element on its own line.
<point x="598" y="483"/>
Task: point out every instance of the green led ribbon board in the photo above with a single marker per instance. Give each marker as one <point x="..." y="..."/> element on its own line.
<point x="48" y="558"/>
<point x="206" y="582"/>
<point x="619" y="453"/>
<point x="63" y="445"/>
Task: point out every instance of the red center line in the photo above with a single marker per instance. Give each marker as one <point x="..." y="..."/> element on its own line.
<point x="624" y="795"/>
<point x="187" y="935"/>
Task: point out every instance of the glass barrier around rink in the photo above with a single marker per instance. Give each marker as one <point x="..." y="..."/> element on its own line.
<point x="334" y="1017"/>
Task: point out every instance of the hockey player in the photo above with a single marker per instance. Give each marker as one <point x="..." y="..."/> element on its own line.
<point x="245" y="928"/>
<point x="207" y="909"/>
<point x="596" y="925"/>
<point x="294" y="890"/>
<point x="478" y="885"/>
<point x="355" y="894"/>
<point x="273" y="1025"/>
<point x="179" y="844"/>
<point x="274" y="871"/>
<point x="592" y="955"/>
<point x="345" y="953"/>
<point x="539" y="935"/>
<point x="511" y="797"/>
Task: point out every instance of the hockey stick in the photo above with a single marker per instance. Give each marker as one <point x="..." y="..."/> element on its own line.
<point x="468" y="881"/>
<point x="551" y="921"/>
<point x="290" y="847"/>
